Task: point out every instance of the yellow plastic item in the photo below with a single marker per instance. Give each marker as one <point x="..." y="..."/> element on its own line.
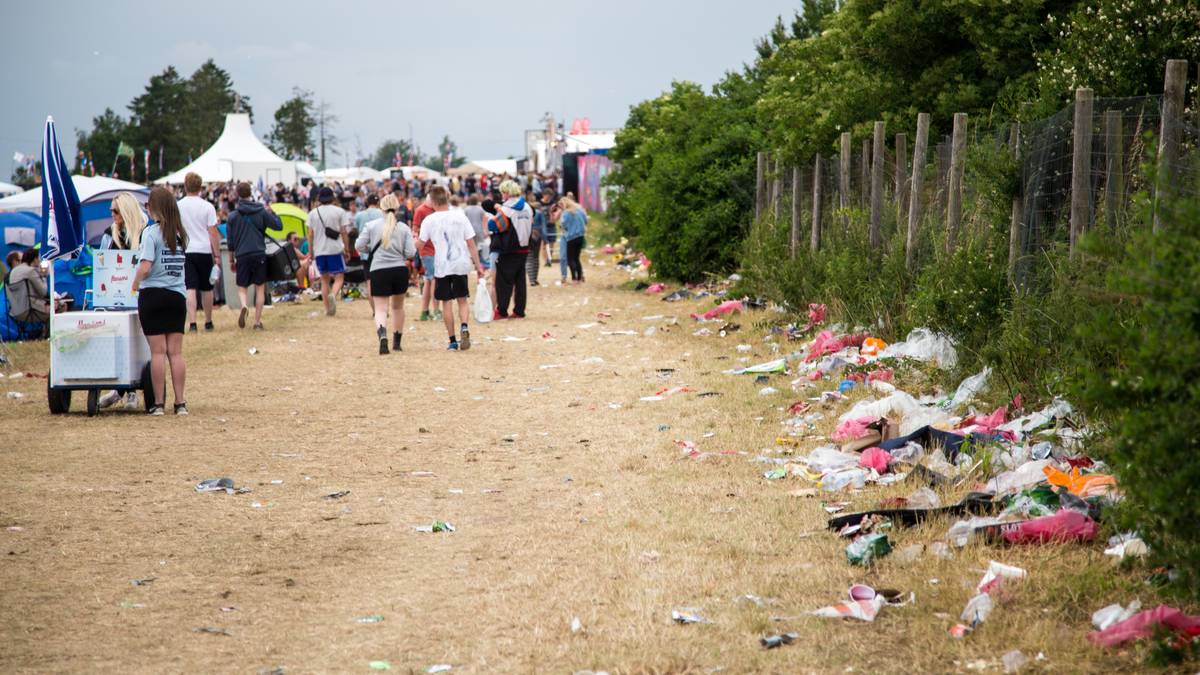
<point x="872" y="346"/>
<point x="1079" y="484"/>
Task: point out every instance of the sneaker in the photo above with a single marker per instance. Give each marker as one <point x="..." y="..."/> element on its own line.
<point x="180" y="409"/>
<point x="156" y="411"/>
<point x="192" y="328"/>
<point x="548" y="264"/>
<point x="453" y="346"/>
<point x="242" y="317"/>
<point x="383" y="348"/>
<point x="496" y="315"/>
<point x="131" y="401"/>
<point x="258" y="326"/>
<point x="331" y="309"/>
<point x="110" y="399"/>
<point x="208" y="326"/>
<point x="464" y="340"/>
<point x="437" y="315"/>
<point x="396" y="337"/>
<point x="424" y="316"/>
<point x="517" y="316"/>
<point x="534" y="283"/>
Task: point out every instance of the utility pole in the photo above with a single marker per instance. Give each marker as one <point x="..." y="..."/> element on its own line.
<point x="322" y="122"/>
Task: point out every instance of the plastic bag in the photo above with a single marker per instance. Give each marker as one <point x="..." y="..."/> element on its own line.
<point x="483" y="303"/>
<point x="1106" y="618"/>
<point x="875" y="458"/>
<point x="1144" y="624"/>
<point x="923" y="344"/>
<point x="969" y="388"/>
<point x="826" y="460"/>
<point x="1064" y="526"/>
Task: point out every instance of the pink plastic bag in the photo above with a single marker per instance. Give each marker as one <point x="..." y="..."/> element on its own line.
<point x="727" y="307"/>
<point x="816" y="314"/>
<point x="875" y="458"/>
<point x="826" y="343"/>
<point x="880" y="375"/>
<point x="1143" y="624"/>
<point x="1062" y="527"/>
<point x="656" y="288"/>
<point x="852" y="429"/>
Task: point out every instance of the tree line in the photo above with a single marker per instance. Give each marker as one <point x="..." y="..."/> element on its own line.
<point x="177" y="118"/>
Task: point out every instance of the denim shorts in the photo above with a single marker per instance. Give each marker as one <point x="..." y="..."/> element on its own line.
<point x="427" y="265"/>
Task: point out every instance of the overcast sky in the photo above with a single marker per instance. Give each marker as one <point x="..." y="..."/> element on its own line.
<point x="449" y="67"/>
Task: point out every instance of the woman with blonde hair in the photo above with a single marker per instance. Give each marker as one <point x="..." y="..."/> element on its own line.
<point x="574" y="225"/>
<point x="128" y="222"/>
<point x="124" y="234"/>
<point x="389" y="245"/>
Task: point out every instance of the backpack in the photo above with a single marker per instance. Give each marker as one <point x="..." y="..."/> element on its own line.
<point x="504" y="235"/>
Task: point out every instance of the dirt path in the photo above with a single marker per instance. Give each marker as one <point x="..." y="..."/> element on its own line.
<point x="568" y="497"/>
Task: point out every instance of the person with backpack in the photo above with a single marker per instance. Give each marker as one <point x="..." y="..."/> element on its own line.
<point x="246" y="233"/>
<point x="510" y="228"/>
<point x="162" y="305"/>
<point x="388" y="244"/>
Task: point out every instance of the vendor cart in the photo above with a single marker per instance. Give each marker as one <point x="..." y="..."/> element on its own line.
<point x="96" y="351"/>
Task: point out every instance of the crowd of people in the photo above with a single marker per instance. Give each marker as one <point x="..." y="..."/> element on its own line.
<point x="429" y="234"/>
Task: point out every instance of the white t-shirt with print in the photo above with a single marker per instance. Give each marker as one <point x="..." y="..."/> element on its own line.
<point x="449" y="231"/>
<point x="197" y="215"/>
<point x="333" y="217"/>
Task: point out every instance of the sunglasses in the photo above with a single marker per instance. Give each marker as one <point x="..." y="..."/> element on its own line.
<point x="115" y="211"/>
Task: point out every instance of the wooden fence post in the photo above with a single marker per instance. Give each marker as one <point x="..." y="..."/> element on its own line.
<point x="797" y="189"/>
<point x="918" y="188"/>
<point x="815" y="238"/>
<point x="760" y="177"/>
<point x="1114" y="169"/>
<point x="865" y="186"/>
<point x="877" y="187"/>
<point x="1081" y="165"/>
<point x="901" y="176"/>
<point x="1170" y="132"/>
<point x="1018" y="206"/>
<point x="777" y="189"/>
<point x="958" y="149"/>
<point x="844" y="178"/>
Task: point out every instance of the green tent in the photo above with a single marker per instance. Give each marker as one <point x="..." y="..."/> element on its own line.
<point x="293" y="219"/>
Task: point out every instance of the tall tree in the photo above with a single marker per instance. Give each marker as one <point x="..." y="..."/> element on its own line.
<point x="100" y="144"/>
<point x="385" y="155"/>
<point x="295" y="119"/>
<point x="157" y="118"/>
<point x="447" y="148"/>
<point x="210" y="96"/>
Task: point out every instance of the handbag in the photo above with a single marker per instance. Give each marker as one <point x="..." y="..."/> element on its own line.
<point x="330" y="233"/>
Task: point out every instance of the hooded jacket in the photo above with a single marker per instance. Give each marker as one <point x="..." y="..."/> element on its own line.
<point x="247" y="229"/>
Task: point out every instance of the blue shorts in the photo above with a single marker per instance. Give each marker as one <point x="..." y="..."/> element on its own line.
<point x="485" y="257"/>
<point x="331" y="264"/>
<point x="492" y="259"/>
<point x="427" y="265"/>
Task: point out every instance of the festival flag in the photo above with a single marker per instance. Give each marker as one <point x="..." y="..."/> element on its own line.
<point x="146" y="161"/>
<point x="62" y="224"/>
<point x="92" y="163"/>
<point x="125" y="150"/>
<point x="396" y="159"/>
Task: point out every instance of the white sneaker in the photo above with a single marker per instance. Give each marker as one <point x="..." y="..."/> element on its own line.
<point x="110" y="399"/>
<point x="131" y="401"/>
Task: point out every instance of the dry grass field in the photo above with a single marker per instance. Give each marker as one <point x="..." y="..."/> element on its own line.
<point x="568" y="496"/>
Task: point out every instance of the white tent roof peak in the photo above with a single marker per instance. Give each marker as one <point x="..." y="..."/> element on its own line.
<point x="237" y="154"/>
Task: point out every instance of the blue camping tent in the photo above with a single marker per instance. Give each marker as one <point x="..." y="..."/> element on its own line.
<point x="18" y="231"/>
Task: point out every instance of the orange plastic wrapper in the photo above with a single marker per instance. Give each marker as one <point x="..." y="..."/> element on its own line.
<point x="872" y="346"/>
<point x="1078" y="484"/>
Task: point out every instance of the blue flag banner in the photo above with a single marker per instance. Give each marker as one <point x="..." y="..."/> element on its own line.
<point x="62" y="222"/>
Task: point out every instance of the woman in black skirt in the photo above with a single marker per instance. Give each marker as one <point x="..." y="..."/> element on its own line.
<point x="162" y="303"/>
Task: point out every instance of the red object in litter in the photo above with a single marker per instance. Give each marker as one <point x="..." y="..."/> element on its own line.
<point x="853" y="428"/>
<point x="799" y="407"/>
<point x="815" y="375"/>
<point x="656" y="288"/>
<point x="1144" y="624"/>
<point x="816" y="313"/>
<point x="1080" y="462"/>
<point x="986" y="424"/>
<point x="826" y="343"/>
<point x="1062" y="527"/>
<point x="880" y="375"/>
<point x="875" y="458"/>
<point x="547" y="335"/>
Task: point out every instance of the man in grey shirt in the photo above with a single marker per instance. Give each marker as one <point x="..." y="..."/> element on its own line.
<point x="477" y="216"/>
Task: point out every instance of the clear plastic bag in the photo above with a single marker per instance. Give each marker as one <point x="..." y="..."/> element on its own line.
<point x="483" y="303"/>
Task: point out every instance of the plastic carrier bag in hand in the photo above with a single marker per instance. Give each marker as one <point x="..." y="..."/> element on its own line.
<point x="483" y="303"/>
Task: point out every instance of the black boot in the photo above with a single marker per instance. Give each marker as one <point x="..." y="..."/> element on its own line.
<point x="396" y="342"/>
<point x="382" y="334"/>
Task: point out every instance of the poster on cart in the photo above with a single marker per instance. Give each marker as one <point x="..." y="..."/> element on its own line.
<point x="112" y="280"/>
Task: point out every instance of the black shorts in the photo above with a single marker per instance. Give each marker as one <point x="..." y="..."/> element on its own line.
<point x="389" y="281"/>
<point x="196" y="270"/>
<point x="161" y="311"/>
<point x="251" y="270"/>
<point x="451" y="287"/>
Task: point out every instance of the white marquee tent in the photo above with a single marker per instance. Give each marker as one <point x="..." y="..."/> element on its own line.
<point x="350" y="174"/>
<point x="237" y="155"/>
<point x="9" y="189"/>
<point x="90" y="189"/>
<point x="492" y="166"/>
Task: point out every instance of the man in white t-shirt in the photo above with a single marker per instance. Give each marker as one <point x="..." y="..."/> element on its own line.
<point x="203" y="250"/>
<point x="329" y="244"/>
<point x="455" y="256"/>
